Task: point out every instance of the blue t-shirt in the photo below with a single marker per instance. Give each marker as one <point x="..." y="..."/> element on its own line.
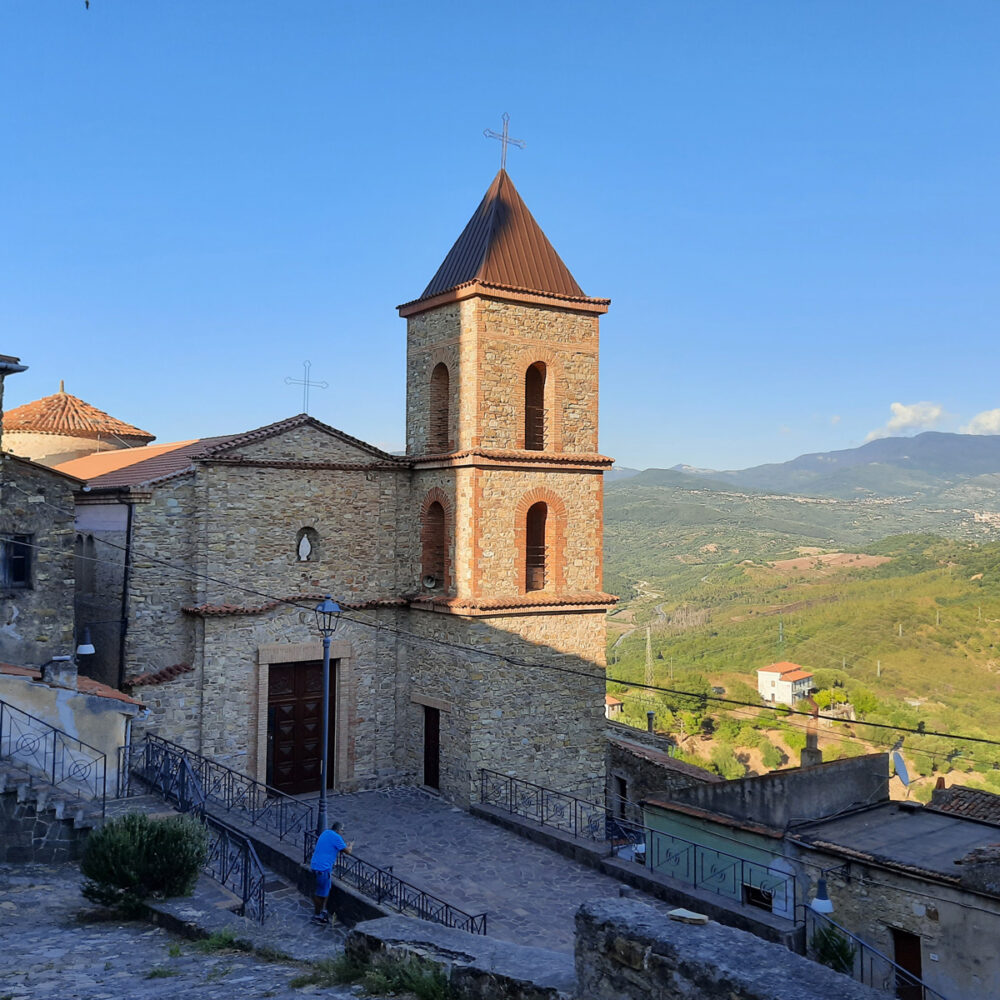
<point x="329" y="845"/>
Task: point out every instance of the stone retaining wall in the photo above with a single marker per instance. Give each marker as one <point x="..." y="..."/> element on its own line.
<point x="627" y="950"/>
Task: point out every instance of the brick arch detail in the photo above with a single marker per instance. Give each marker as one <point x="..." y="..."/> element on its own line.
<point x="443" y="356"/>
<point x="437" y="495"/>
<point x="555" y="538"/>
<point x="555" y="392"/>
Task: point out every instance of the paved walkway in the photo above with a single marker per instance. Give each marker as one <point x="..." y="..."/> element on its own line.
<point x="529" y="892"/>
<point x="49" y="953"/>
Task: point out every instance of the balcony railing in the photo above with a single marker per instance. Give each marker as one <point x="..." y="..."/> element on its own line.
<point x="746" y="882"/>
<point x="67" y="762"/>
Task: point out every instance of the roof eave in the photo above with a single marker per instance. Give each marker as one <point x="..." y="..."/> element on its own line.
<point x="484" y="289"/>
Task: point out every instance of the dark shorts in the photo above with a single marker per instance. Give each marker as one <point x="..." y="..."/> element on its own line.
<point x="322" y="882"/>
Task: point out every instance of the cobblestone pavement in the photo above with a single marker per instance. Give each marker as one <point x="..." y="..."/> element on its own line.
<point x="49" y="953"/>
<point x="531" y="893"/>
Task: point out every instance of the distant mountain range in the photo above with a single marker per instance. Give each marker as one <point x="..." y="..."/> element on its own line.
<point x="953" y="467"/>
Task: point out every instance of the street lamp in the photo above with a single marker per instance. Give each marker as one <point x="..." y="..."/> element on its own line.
<point x="822" y="903"/>
<point x="327" y="617"/>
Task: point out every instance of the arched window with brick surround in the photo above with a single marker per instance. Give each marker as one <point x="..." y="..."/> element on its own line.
<point x="535" y="549"/>
<point x="534" y="407"/>
<point x="435" y="526"/>
<point x="440" y="400"/>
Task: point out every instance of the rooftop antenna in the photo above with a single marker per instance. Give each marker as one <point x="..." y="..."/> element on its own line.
<point x="505" y="140"/>
<point x="899" y="765"/>
<point x="306" y="384"/>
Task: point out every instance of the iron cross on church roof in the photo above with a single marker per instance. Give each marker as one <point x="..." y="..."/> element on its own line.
<point x="505" y="140"/>
<point x="306" y="384"/>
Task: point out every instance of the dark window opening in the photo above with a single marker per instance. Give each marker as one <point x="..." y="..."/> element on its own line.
<point x="439" y="404"/>
<point x="15" y="562"/>
<point x="753" y="895"/>
<point x="621" y="796"/>
<point x="534" y="407"/>
<point x="433" y="545"/>
<point x="535" y="551"/>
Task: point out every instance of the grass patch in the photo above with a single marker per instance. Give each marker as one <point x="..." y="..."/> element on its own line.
<point x="422" y="979"/>
<point x="335" y="971"/>
<point x="174" y="951"/>
<point x="161" y="972"/>
<point x="224" y="940"/>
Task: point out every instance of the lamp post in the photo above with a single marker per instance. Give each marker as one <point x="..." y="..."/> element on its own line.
<point x="327" y="617"/>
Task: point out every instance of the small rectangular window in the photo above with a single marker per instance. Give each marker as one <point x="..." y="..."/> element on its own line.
<point x="15" y="562"/>
<point x="755" y="896"/>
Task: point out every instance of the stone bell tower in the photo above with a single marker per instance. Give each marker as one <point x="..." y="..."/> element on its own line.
<point x="506" y="495"/>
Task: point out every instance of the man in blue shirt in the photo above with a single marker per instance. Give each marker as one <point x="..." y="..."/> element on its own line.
<point x="322" y="863"/>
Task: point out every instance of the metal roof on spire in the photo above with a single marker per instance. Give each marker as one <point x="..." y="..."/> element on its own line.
<point x="503" y="245"/>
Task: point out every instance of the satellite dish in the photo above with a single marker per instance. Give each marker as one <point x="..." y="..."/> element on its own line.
<point x="430" y="582"/>
<point x="900" y="767"/>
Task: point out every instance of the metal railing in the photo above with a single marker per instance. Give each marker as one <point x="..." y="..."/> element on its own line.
<point x="861" y="961"/>
<point x="67" y="762"/>
<point x="385" y="888"/>
<point x="244" y="797"/>
<point x="232" y="860"/>
<point x="747" y="882"/>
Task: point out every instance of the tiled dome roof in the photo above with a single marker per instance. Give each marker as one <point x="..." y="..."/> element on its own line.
<point x="69" y="415"/>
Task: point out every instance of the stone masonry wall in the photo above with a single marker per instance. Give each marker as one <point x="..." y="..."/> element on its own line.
<point x="488" y="346"/>
<point x="956" y="928"/>
<point x="541" y="725"/>
<point x="627" y="950"/>
<point x="36" y="623"/>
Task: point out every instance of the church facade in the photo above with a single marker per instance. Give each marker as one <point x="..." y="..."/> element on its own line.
<point x="469" y="570"/>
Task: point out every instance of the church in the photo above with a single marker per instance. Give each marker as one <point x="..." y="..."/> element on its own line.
<point x="469" y="570"/>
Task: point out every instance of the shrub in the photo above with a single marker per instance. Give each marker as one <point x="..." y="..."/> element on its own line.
<point x="771" y="756"/>
<point x="833" y="950"/>
<point x="134" y="857"/>
<point x="724" y="761"/>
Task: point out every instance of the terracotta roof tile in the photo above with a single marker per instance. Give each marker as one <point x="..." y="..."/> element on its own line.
<point x="664" y="760"/>
<point x="160" y="676"/>
<point x="138" y="466"/>
<point x="85" y="685"/>
<point x="63" y="413"/>
<point x="782" y="668"/>
<point x="502" y="245"/>
<point x="972" y="803"/>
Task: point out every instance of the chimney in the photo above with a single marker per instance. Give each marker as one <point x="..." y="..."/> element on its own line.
<point x="811" y="753"/>
<point x="60" y="672"/>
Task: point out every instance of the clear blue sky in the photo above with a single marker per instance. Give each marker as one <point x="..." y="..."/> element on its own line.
<point x="793" y="205"/>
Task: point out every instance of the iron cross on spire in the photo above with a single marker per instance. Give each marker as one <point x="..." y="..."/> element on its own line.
<point x="306" y="383"/>
<point x="505" y="140"/>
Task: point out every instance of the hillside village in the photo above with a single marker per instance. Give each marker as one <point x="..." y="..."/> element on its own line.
<point x="166" y="633"/>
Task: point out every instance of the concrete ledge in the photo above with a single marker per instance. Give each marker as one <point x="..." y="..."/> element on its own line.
<point x="626" y="950"/>
<point x="478" y="967"/>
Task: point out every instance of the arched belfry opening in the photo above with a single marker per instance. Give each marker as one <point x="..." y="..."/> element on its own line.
<point x="433" y="546"/>
<point x="535" y="552"/>
<point x="534" y="407"/>
<point x="440" y="400"/>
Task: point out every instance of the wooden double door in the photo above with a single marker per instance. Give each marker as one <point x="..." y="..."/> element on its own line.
<point x="295" y="725"/>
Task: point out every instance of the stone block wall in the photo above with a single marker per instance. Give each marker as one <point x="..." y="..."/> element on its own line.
<point x="36" y="623"/>
<point x="627" y="950"/>
<point x="30" y="834"/>
<point x="957" y="929"/>
<point x="542" y="725"/>
<point x="488" y="346"/>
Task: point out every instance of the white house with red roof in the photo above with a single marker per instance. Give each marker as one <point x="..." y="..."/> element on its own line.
<point x="783" y="683"/>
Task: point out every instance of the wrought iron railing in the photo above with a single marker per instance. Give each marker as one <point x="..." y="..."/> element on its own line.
<point x="67" y="762"/>
<point x="224" y="789"/>
<point x="232" y="860"/>
<point x="860" y="960"/>
<point x="747" y="882"/>
<point x="387" y="889"/>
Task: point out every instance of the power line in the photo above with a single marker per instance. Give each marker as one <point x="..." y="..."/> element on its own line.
<point x="471" y="650"/>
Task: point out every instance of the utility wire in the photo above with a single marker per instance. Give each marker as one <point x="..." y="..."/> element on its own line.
<point x="471" y="650"/>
